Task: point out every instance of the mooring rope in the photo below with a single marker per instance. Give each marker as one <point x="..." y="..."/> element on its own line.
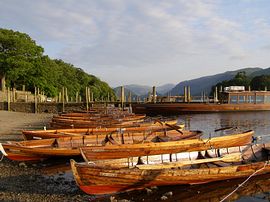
<point x="240" y="185"/>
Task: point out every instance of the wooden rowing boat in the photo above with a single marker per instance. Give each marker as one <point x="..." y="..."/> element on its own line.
<point x="56" y="133"/>
<point x="32" y="150"/>
<point x="113" y="176"/>
<point x="151" y="148"/>
<point x="86" y="122"/>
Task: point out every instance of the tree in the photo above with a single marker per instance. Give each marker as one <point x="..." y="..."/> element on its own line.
<point x="22" y="63"/>
<point x="240" y="79"/>
<point x="260" y="82"/>
<point x="18" y="53"/>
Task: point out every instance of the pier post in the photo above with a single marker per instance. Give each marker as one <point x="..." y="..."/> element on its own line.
<point x="185" y="94"/>
<point x="249" y="88"/>
<point x="154" y="94"/>
<point x="77" y="97"/>
<point x="149" y="97"/>
<point x="265" y="88"/>
<point x="122" y="96"/>
<point x="86" y="98"/>
<point x="8" y="98"/>
<point x="35" y="99"/>
<point x="66" y="94"/>
<point x="216" y="95"/>
<point x="14" y="94"/>
<point x="188" y="94"/>
<point x="3" y="83"/>
<point x="63" y="99"/>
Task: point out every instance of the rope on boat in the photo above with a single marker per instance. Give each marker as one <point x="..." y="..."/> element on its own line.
<point x="240" y="185"/>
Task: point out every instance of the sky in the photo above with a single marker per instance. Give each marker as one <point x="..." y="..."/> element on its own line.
<point x="146" y="42"/>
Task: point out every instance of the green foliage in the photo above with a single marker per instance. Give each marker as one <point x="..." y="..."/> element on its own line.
<point x="240" y="79"/>
<point x="23" y="63"/>
<point x="260" y="82"/>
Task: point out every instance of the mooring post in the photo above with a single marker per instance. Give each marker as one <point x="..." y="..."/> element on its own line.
<point x="89" y="95"/>
<point x="86" y="98"/>
<point x="14" y="94"/>
<point x="77" y="96"/>
<point x="154" y="94"/>
<point x="8" y="98"/>
<point x="66" y="91"/>
<point x="185" y="94"/>
<point x="188" y="93"/>
<point x="122" y="96"/>
<point x="216" y="95"/>
<point x="3" y="83"/>
<point x="35" y="99"/>
<point x="63" y="99"/>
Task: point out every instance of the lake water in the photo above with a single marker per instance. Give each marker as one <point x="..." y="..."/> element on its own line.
<point x="255" y="189"/>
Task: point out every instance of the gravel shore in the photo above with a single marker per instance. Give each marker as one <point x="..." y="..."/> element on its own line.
<point x="41" y="181"/>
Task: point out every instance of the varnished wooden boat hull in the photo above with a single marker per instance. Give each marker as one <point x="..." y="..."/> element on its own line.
<point x="124" y="151"/>
<point x="69" y="146"/>
<point x="37" y="134"/>
<point x="105" y="179"/>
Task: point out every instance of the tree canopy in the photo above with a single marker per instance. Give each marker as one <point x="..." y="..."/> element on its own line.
<point x="240" y="79"/>
<point x="23" y="62"/>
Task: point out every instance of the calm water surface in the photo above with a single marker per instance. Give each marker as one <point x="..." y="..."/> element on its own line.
<point x="256" y="189"/>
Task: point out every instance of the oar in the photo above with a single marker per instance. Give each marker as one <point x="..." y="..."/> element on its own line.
<point x="174" y="128"/>
<point x="236" y="157"/>
<point x="225" y="128"/>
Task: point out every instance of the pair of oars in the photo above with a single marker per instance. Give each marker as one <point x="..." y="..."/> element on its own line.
<point x="235" y="157"/>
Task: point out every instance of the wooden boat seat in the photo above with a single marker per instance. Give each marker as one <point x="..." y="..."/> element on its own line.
<point x="73" y="142"/>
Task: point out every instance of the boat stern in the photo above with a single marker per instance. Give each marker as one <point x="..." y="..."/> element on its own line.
<point x="3" y="150"/>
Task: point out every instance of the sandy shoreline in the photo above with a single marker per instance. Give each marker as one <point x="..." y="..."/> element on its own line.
<point x="26" y="181"/>
<point x="12" y="123"/>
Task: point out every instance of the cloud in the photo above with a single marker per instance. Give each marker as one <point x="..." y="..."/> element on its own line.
<point x="141" y="41"/>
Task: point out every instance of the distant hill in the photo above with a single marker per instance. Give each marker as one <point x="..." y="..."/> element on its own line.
<point x="142" y="91"/>
<point x="165" y="88"/>
<point x="261" y="72"/>
<point x="199" y="85"/>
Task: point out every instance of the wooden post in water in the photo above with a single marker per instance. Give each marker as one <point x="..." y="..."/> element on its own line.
<point x="188" y="94"/>
<point x="185" y="94"/>
<point x="122" y="97"/>
<point x="8" y="98"/>
<point x="63" y="99"/>
<point x="86" y="98"/>
<point x="35" y="99"/>
<point x="216" y="95"/>
<point x="154" y="93"/>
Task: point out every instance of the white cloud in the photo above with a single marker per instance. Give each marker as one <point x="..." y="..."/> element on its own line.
<point x="131" y="41"/>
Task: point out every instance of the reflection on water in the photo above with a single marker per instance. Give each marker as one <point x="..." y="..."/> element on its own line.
<point x="257" y="121"/>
